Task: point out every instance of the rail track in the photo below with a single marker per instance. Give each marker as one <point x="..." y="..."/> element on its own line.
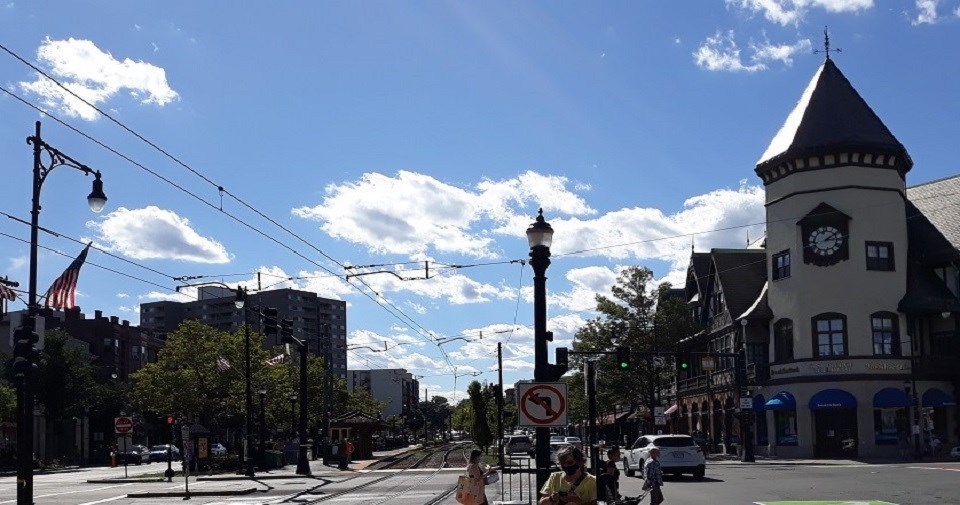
<point x="436" y="458"/>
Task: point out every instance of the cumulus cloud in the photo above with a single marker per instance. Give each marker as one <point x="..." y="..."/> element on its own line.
<point x="155" y="233"/>
<point x="927" y="12"/>
<point x="720" y="53"/>
<point x="791" y="12"/>
<point x="96" y="76"/>
<point x="411" y="212"/>
<point x="162" y="296"/>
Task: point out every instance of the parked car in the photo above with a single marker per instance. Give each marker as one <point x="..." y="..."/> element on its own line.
<point x="218" y="449"/>
<point x="517" y="443"/>
<point x="679" y="454"/>
<point x="133" y="455"/>
<point x="555" y="446"/>
<point x="574" y="441"/>
<point x="159" y="453"/>
<point x="955" y="452"/>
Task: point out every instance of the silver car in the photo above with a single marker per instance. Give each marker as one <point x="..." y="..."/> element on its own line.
<point x="678" y="454"/>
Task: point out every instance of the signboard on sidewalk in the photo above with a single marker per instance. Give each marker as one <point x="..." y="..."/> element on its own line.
<point x="746" y="403"/>
<point x="708" y="363"/>
<point x="542" y="404"/>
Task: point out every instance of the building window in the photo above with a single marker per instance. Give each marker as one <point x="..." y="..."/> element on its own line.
<point x="890" y="425"/>
<point x="781" y="265"/>
<point x="786" y="423"/>
<point x="886" y="334"/>
<point x="783" y="340"/>
<point x="880" y="256"/>
<point x="830" y="335"/>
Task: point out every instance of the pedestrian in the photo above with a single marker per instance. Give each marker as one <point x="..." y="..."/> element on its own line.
<point x="608" y="476"/>
<point x="478" y="472"/>
<point x="343" y="454"/>
<point x="572" y="484"/>
<point x="904" y="445"/>
<point x="653" y="475"/>
<point x="348" y="450"/>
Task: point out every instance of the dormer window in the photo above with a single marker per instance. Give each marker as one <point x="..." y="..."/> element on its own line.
<point x="825" y="233"/>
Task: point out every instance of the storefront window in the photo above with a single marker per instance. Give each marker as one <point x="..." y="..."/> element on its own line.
<point x="786" y="421"/>
<point x="888" y="424"/>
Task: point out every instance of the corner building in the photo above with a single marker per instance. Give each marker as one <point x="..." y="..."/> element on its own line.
<point x="852" y="329"/>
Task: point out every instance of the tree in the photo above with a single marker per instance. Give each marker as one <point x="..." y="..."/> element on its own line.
<point x="463" y="415"/>
<point x="436" y="411"/>
<point x="633" y="319"/>
<point x="64" y="383"/>
<point x="480" y="428"/>
<point x="8" y="401"/>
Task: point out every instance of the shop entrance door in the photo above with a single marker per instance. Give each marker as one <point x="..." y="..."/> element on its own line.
<point x="836" y="431"/>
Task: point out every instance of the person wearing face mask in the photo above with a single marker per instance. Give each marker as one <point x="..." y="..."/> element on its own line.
<point x="572" y="484"/>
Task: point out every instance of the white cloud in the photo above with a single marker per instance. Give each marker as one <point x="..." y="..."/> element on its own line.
<point x="155" y="233"/>
<point x="411" y="212"/>
<point x="926" y="12"/>
<point x="96" y="76"/>
<point x="786" y="12"/>
<point x="18" y="262"/>
<point x="159" y="296"/>
<point x="137" y="27"/>
<point x="457" y="289"/>
<point x="721" y="53"/>
<point x="123" y="295"/>
<point x="156" y="48"/>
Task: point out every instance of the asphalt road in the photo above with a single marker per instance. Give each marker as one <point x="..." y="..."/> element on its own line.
<point x="726" y="483"/>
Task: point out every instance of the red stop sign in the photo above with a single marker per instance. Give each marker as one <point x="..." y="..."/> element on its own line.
<point x="123" y="425"/>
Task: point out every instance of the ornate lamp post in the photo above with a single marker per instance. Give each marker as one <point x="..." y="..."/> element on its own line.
<point x="540" y="237"/>
<point x="25" y="338"/>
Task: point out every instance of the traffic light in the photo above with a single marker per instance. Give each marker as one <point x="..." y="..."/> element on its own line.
<point x="683" y="362"/>
<point x="26" y="355"/>
<point x="170" y="420"/>
<point x="623" y="358"/>
<point x="270" y="321"/>
<point x="563" y="357"/>
<point x="286" y="331"/>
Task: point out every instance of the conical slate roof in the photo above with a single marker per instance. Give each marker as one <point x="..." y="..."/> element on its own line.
<point x="832" y="118"/>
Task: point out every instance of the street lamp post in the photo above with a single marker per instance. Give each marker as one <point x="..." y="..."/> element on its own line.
<point x="303" y="463"/>
<point x="746" y="420"/>
<point x="263" y="427"/>
<point x="293" y="414"/>
<point x="23" y="365"/>
<point x="539" y="237"/>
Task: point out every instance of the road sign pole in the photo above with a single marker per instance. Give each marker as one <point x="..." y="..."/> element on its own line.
<point x="125" y="458"/>
<point x="591" y="369"/>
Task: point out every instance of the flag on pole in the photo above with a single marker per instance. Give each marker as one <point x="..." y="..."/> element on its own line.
<point x="63" y="293"/>
<point x="222" y="364"/>
<point x="276" y="360"/>
<point x="7" y="293"/>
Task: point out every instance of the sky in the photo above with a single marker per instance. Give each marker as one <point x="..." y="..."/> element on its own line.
<point x="346" y="134"/>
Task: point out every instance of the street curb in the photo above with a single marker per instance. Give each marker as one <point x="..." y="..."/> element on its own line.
<point x="183" y="494"/>
<point x="259" y="477"/>
<point x="124" y="481"/>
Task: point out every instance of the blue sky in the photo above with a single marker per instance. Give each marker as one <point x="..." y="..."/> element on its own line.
<point x="393" y="132"/>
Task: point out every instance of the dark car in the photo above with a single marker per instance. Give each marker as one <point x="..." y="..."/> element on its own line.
<point x="133" y="455"/>
<point x="159" y="453"/>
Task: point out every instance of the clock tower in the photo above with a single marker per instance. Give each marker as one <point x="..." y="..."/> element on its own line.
<point x="834" y="178"/>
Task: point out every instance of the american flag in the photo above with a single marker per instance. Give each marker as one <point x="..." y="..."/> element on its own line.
<point x="222" y="364"/>
<point x="7" y="293"/>
<point x="63" y="293"/>
<point x="276" y="360"/>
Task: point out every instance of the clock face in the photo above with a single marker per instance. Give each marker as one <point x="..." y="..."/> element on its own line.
<point x="825" y="241"/>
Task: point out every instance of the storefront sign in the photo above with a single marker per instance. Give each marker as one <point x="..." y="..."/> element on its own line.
<point x="840" y="367"/>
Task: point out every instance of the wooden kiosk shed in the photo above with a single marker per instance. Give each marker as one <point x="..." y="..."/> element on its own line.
<point x="359" y="428"/>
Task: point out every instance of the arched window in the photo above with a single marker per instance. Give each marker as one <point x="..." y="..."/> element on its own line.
<point x="886" y="333"/>
<point x="829" y="334"/>
<point x="783" y="340"/>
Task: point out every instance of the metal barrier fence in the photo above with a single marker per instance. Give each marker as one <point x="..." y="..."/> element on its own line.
<point x="517" y="482"/>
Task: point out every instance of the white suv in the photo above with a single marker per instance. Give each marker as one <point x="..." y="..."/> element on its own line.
<point x="678" y="454"/>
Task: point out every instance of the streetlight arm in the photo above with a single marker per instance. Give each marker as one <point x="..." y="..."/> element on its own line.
<point x="56" y="159"/>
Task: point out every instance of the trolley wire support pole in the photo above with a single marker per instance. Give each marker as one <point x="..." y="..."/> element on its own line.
<point x="286" y="337"/>
<point x="499" y="405"/>
<point x="591" y="376"/>
<point x="746" y="416"/>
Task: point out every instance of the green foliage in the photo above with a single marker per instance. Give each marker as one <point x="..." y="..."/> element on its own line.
<point x="463" y="415"/>
<point x="65" y="382"/>
<point x="480" y="427"/>
<point x="8" y="402"/>
<point x="632" y="318"/>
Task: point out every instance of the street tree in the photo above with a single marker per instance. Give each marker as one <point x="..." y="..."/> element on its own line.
<point x="480" y="426"/>
<point x="64" y="384"/>
<point x="8" y="402"/>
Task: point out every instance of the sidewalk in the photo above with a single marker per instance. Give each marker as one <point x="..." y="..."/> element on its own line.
<point x="733" y="459"/>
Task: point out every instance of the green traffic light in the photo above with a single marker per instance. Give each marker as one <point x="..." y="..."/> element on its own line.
<point x="624" y="365"/>
<point x="684" y="365"/>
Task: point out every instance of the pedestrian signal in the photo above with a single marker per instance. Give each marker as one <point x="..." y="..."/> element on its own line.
<point x="623" y="358"/>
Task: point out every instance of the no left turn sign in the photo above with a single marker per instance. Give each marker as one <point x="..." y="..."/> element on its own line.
<point x="542" y="404"/>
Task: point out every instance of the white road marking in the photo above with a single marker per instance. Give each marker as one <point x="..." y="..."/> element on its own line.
<point x="71" y="492"/>
<point x="934" y="468"/>
<point x="104" y="500"/>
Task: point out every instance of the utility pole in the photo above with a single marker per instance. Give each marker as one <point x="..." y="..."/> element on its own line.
<point x="590" y="373"/>
<point x="499" y="404"/>
<point x="746" y="416"/>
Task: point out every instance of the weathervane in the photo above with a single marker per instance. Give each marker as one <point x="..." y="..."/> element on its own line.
<point x="826" y="45"/>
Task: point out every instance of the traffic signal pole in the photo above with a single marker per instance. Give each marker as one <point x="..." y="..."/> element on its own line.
<point x="590" y="368"/>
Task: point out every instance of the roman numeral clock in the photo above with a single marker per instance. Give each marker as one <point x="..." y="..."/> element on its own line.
<point x="825" y="232"/>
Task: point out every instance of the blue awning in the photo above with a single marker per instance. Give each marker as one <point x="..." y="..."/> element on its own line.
<point x="937" y="398"/>
<point x="891" y="398"/>
<point x="758" y="403"/>
<point x="832" y="399"/>
<point x="781" y="401"/>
